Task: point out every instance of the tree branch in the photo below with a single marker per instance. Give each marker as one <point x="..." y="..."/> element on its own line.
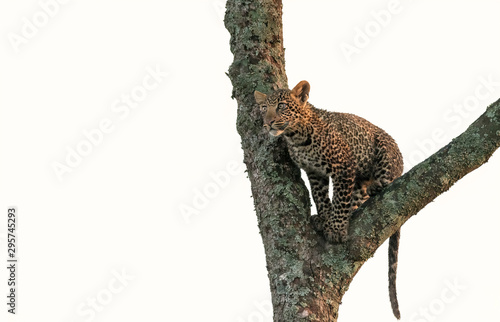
<point x="308" y="277"/>
<point x="383" y="214"/>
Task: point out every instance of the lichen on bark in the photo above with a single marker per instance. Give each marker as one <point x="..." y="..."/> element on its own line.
<point x="307" y="276"/>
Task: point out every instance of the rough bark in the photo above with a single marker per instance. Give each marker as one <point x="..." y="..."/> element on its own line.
<point x="307" y="276"/>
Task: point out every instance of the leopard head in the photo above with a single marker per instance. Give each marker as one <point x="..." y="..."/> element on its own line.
<point x="283" y="109"/>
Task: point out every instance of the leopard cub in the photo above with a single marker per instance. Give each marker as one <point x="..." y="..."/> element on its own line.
<point x="358" y="157"/>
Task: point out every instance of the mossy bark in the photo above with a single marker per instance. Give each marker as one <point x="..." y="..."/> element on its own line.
<point x="307" y="276"/>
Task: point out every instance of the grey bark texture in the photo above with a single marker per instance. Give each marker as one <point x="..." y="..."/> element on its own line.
<point x="308" y="276"/>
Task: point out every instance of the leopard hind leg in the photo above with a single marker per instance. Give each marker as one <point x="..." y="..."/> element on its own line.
<point x="359" y="194"/>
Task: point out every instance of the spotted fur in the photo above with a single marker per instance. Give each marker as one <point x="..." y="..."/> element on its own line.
<point x="358" y="157"/>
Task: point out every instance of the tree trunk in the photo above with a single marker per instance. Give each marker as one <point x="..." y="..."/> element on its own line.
<point x="308" y="276"/>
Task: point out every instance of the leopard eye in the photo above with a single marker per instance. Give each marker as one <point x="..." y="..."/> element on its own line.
<point x="263" y="108"/>
<point x="281" y="106"/>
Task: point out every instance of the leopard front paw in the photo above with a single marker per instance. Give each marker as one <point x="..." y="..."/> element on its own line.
<point x="335" y="232"/>
<point x="318" y="223"/>
<point x="335" y="236"/>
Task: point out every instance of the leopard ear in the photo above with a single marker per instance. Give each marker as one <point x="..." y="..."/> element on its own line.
<point x="260" y="98"/>
<point x="301" y="91"/>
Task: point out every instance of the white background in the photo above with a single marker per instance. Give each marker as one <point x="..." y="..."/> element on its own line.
<point x="120" y="210"/>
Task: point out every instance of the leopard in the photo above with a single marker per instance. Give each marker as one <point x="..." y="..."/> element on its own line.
<point x="359" y="159"/>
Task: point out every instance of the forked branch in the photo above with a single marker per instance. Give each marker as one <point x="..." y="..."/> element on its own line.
<point x="307" y="276"/>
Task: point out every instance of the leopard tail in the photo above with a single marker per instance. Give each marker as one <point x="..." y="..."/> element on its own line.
<point x="393" y="267"/>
